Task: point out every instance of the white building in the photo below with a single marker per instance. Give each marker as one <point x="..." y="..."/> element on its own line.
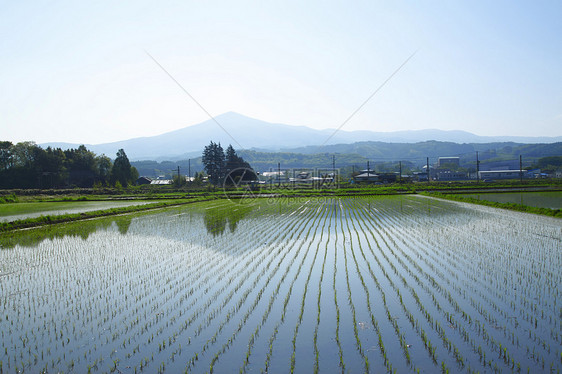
<point x="503" y="174"/>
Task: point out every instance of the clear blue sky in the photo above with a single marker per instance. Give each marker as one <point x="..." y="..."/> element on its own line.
<point x="77" y="71"/>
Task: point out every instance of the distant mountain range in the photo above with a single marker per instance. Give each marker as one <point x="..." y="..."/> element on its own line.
<point x="382" y="156"/>
<point x="245" y="133"/>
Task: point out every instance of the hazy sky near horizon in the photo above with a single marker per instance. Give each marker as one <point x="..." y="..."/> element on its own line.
<point x="79" y="72"/>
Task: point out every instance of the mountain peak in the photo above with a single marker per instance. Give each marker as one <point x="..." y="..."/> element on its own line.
<point x="244" y="132"/>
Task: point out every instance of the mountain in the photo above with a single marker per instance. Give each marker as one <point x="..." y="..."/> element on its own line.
<point x="250" y="133"/>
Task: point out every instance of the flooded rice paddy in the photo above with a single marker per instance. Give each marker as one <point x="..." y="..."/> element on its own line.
<point x="370" y="284"/>
<point x="544" y="199"/>
<point x="16" y="211"/>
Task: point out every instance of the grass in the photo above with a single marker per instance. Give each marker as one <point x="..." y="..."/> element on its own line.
<point x="62" y="218"/>
<point x="62" y="207"/>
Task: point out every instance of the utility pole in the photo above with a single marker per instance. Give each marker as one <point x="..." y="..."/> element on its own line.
<point x="333" y="169"/>
<point x="400" y="172"/>
<point x="477" y="168"/>
<point x="279" y="174"/>
<point x="427" y="165"/>
<point x="521" y="168"/>
<point x="189" y="169"/>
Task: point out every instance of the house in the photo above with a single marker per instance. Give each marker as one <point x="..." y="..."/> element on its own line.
<point x="143" y="180"/>
<point x="367" y="175"/>
<point x="388" y="177"/>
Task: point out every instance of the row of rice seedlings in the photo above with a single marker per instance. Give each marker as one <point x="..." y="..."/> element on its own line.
<point x="449" y="318"/>
<point x="447" y="342"/>
<point x="530" y="324"/>
<point x="319" y="299"/>
<point x="169" y="312"/>
<point x="349" y="292"/>
<point x="75" y="296"/>
<point x="265" y="316"/>
<point x="340" y="350"/>
<point x="454" y="349"/>
<point x="523" y="234"/>
<point x="459" y="359"/>
<point x="525" y="322"/>
<point x="452" y="323"/>
<point x="171" y="339"/>
<point x="242" y="299"/>
<point x="405" y="347"/>
<point x="243" y="277"/>
<point x="508" y="318"/>
<point x="323" y="217"/>
<point x="188" y="322"/>
<point x="374" y="321"/>
<point x="493" y="289"/>
<point x="505" y="355"/>
<point x="112" y="313"/>
<point x="391" y="319"/>
<point x="273" y="297"/>
<point x="361" y="214"/>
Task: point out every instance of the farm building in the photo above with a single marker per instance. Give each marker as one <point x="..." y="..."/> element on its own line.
<point x="420" y="176"/>
<point x="450" y="175"/>
<point x="503" y="174"/>
<point x="143" y="180"/>
<point x="442" y="161"/>
<point x="161" y="181"/>
<point x="272" y="177"/>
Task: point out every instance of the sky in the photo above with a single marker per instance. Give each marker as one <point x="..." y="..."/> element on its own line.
<point x="82" y="72"/>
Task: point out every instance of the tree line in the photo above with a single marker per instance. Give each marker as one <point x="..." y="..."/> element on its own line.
<point x="219" y="165"/>
<point x="26" y="165"/>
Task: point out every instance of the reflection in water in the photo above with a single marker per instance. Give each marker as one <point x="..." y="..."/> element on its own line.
<point x="81" y="229"/>
<point x="216" y="219"/>
<point x="123" y="224"/>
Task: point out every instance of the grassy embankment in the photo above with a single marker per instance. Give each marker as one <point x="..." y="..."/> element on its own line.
<point x="62" y="218"/>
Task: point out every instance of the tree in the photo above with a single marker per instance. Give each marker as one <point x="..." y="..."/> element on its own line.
<point x="24" y="154"/>
<point x="82" y="167"/>
<point x="214" y="162"/>
<point x="51" y="166"/>
<point x="6" y="154"/>
<point x="178" y="181"/>
<point x="122" y="171"/>
<point x="236" y="168"/>
<point x="104" y="169"/>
